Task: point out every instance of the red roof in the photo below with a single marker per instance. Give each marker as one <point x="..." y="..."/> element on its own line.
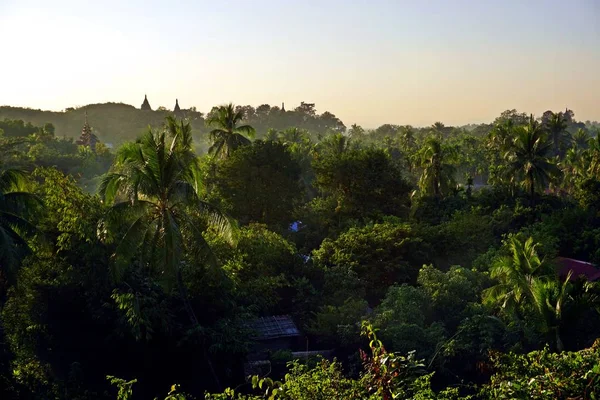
<point x="578" y="267"/>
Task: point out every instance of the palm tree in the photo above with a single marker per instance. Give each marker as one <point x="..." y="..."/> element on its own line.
<point x="573" y="168"/>
<point x="293" y="136"/>
<point x="407" y="139"/>
<point x="437" y="178"/>
<point x="592" y="156"/>
<point x="227" y="135"/>
<point x="501" y="136"/>
<point x="16" y="207"/>
<point x="549" y="300"/>
<point x="335" y="144"/>
<point x="516" y="275"/>
<point x="438" y="127"/>
<point x="581" y="138"/>
<point x="528" y="159"/>
<point x="557" y="128"/>
<point x="155" y="181"/>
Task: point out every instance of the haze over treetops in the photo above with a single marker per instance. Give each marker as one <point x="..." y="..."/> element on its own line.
<point x="370" y="63"/>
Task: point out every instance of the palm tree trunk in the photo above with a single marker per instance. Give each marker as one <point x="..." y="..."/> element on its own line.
<point x="194" y="320"/>
<point x="559" y="343"/>
<point x="531" y="191"/>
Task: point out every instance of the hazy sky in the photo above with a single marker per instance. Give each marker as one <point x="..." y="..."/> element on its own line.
<point x="368" y="62"/>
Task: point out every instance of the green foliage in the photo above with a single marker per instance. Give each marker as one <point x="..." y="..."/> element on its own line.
<point x="544" y="375"/>
<point x="71" y="215"/>
<point x="17" y="207"/>
<point x="404" y="318"/>
<point x="154" y="179"/>
<point x="227" y="135"/>
<point x="261" y="267"/>
<point x="151" y="273"/>
<point x="260" y="183"/>
<point x="125" y="388"/>
<point x="385" y="375"/>
<point x="364" y="182"/>
<point x="338" y="325"/>
<point x="379" y="256"/>
<point x="450" y="293"/>
<point x="528" y="159"/>
<point x="437" y="178"/>
<point x="516" y="273"/>
<point x="113" y="123"/>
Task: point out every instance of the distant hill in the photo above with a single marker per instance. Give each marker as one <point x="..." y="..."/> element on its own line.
<point x="113" y="123"/>
<point x="116" y="123"/>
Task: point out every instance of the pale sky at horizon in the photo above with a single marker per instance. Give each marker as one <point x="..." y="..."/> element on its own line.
<point x="368" y="62"/>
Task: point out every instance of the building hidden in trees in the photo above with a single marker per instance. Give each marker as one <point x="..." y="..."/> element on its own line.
<point x="87" y="137"/>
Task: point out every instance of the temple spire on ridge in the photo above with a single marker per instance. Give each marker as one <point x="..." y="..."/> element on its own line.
<point x="146" y="104"/>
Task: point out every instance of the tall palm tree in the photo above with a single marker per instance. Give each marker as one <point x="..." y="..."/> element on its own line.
<point x="581" y="138"/>
<point x="573" y="168"/>
<point x="549" y="300"/>
<point x="516" y="275"/>
<point x="437" y="177"/>
<point x="155" y="182"/>
<point x="592" y="156"/>
<point x="527" y="158"/>
<point x="16" y="208"/>
<point x="293" y="135"/>
<point x="501" y="136"/>
<point x="227" y="135"/>
<point x="335" y="144"/>
<point x="407" y="139"/>
<point x="557" y="128"/>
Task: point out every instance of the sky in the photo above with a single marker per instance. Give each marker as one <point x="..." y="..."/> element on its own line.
<point x="367" y="61"/>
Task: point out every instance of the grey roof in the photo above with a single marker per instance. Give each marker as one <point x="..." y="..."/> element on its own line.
<point x="274" y="327"/>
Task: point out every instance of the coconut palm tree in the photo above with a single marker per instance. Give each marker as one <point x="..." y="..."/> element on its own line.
<point x="293" y="135"/>
<point x="581" y="138"/>
<point x="407" y="139"/>
<point x="154" y="184"/>
<point x="557" y="128"/>
<point x="437" y="178"/>
<point x="573" y="168"/>
<point x="335" y="144"/>
<point x="592" y="156"/>
<point x="155" y="179"/>
<point x="527" y="158"/>
<point x="227" y="135"/>
<point x="516" y="274"/>
<point x="16" y="208"/>
<point x="549" y="299"/>
<point x="501" y="136"/>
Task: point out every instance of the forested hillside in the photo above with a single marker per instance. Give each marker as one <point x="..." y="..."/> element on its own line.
<point x="114" y="123"/>
<point x="257" y="253"/>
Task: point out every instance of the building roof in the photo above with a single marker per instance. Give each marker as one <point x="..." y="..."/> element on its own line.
<point x="579" y="268"/>
<point x="274" y="327"/>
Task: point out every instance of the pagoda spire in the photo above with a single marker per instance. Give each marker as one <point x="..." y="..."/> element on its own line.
<point x="86" y="126"/>
<point x="177" y="109"/>
<point x="87" y="137"/>
<point x="146" y="104"/>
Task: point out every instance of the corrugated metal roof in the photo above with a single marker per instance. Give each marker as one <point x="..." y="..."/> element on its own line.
<point x="274" y="327"/>
<point x="578" y="267"/>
